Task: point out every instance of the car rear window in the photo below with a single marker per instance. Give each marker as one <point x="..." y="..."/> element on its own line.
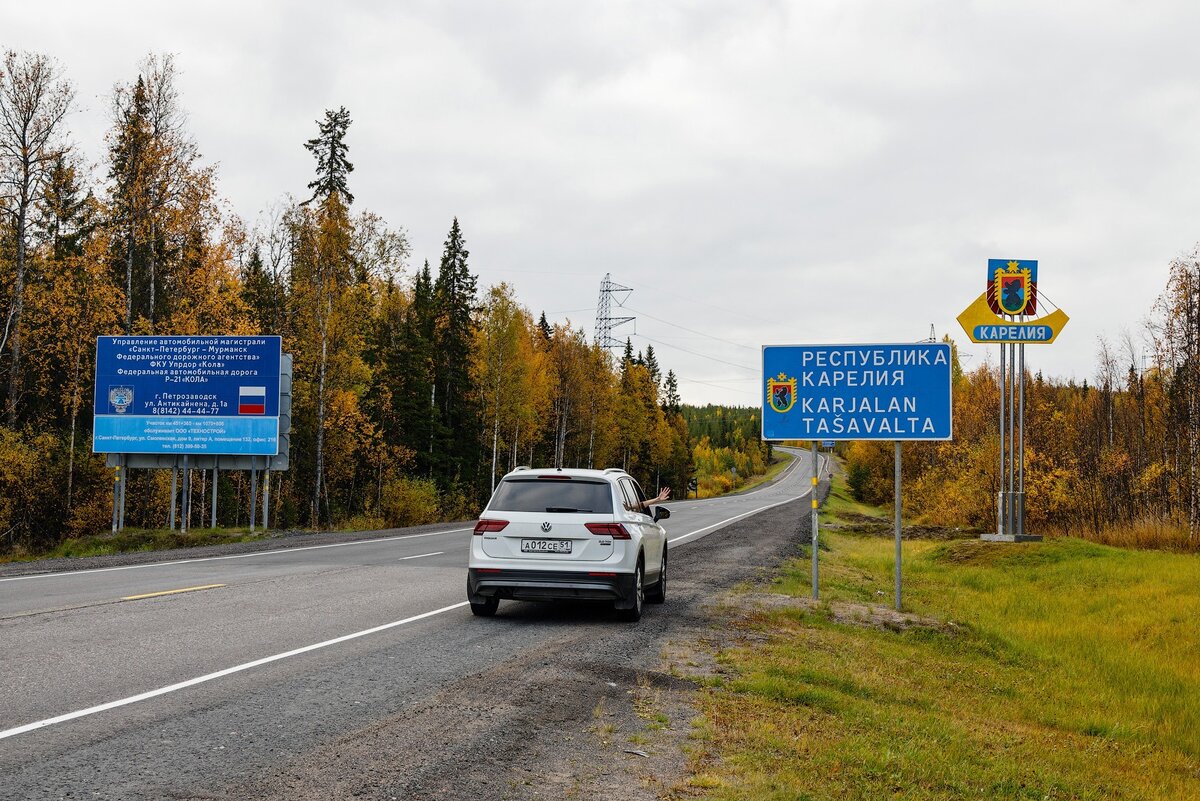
<point x="552" y="495"/>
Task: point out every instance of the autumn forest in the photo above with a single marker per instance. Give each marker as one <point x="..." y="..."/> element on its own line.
<point x="414" y="388"/>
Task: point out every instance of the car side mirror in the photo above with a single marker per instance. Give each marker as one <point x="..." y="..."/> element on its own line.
<point x="661" y="513"/>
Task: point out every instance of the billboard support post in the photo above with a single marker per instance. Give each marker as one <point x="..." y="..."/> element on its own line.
<point x="1001" y="500"/>
<point x="124" y="485"/>
<point x="212" y="519"/>
<point x="253" y="495"/>
<point x="1021" y="451"/>
<point x="266" y="510"/>
<point x="116" y="496"/>
<point x="174" y="495"/>
<point x="898" y="526"/>
<point x="185" y="505"/>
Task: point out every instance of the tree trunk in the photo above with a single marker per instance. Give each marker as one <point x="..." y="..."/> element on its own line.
<point x="316" y="510"/>
<point x="129" y="279"/>
<point x="14" y="374"/>
<point x="74" y="418"/>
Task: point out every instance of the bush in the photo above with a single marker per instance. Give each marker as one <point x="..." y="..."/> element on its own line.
<point x="409" y="502"/>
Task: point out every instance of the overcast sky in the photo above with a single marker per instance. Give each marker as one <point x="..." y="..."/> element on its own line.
<point x="758" y="172"/>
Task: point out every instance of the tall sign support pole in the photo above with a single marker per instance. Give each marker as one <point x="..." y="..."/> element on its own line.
<point x="253" y="493"/>
<point x="1001" y="501"/>
<point x="185" y="506"/>
<point x="216" y="475"/>
<point x="116" y="496"/>
<point x="1021" y="452"/>
<point x="898" y="505"/>
<point x="266" y="510"/>
<point x="174" y="494"/>
<point x="1012" y="439"/>
<point x="124" y="486"/>
<point x="816" y="586"/>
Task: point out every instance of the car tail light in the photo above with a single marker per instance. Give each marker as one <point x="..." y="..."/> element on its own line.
<point x="488" y="526"/>
<point x="614" y="530"/>
<point x="555" y="478"/>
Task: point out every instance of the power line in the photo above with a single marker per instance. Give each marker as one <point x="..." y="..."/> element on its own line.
<point x="696" y="353"/>
<point x="690" y="330"/>
<point x="714" y="386"/>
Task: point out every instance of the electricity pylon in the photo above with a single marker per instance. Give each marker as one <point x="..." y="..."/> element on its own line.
<point x="605" y="322"/>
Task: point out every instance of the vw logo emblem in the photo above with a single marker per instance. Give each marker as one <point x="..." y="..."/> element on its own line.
<point x="546" y="527"/>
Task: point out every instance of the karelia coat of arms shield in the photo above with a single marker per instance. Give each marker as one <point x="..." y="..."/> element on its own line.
<point x="1013" y="290"/>
<point x="781" y="393"/>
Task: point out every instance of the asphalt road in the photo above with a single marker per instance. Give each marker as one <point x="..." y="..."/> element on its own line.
<point x="200" y="678"/>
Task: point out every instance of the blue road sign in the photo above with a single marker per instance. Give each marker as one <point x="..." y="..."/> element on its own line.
<point x="850" y="392"/>
<point x="187" y="395"/>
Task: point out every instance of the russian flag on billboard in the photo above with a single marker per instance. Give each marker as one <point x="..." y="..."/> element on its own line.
<point x="252" y="400"/>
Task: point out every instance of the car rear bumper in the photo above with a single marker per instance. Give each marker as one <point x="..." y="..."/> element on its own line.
<point x="546" y="585"/>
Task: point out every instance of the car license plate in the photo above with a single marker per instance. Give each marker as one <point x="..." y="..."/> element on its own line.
<point x="545" y="546"/>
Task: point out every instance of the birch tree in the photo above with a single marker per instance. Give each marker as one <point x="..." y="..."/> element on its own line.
<point x="34" y="103"/>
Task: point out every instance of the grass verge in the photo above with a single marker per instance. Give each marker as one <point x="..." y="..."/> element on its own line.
<point x="131" y="540"/>
<point x="1056" y="670"/>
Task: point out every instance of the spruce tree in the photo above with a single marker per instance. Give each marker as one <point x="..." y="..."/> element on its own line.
<point x="330" y="149"/>
<point x="454" y="302"/>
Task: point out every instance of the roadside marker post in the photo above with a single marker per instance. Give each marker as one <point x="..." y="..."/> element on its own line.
<point x="816" y="584"/>
<point x="833" y="393"/>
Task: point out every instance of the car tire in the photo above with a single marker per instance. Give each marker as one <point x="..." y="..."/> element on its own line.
<point x="658" y="592"/>
<point x="487" y="608"/>
<point x="634" y="613"/>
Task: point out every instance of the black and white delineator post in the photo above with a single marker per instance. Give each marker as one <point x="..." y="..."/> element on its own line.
<point x="816" y="473"/>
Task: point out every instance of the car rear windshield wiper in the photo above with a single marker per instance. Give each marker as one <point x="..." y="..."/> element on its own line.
<point x="566" y="509"/>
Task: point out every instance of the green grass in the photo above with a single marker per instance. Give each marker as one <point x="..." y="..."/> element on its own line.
<point x="1072" y="671"/>
<point x="132" y="539"/>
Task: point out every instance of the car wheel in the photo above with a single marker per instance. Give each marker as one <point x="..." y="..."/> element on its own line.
<point x="634" y="613"/>
<point x="487" y="608"/>
<point x="658" y="593"/>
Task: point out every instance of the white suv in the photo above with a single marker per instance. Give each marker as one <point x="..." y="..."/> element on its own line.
<point x="560" y="534"/>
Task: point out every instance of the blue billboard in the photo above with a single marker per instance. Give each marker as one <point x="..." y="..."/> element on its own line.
<point x="187" y="395"/>
<point x="852" y="392"/>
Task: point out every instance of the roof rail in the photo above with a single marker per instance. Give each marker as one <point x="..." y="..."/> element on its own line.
<point x="521" y="467"/>
<point x="614" y="470"/>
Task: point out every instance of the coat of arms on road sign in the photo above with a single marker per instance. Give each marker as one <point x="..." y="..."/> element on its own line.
<point x="121" y="398"/>
<point x="781" y="393"/>
<point x="1012" y="286"/>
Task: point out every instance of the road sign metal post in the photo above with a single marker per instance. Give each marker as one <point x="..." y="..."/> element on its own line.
<point x="1021" y="451"/>
<point x="1001" y="497"/>
<point x="185" y="505"/>
<point x="212" y="519"/>
<point x="253" y="495"/>
<point x="266" y="510"/>
<point x="816" y="583"/>
<point x="124" y="490"/>
<point x="116" y="496"/>
<point x="898" y="527"/>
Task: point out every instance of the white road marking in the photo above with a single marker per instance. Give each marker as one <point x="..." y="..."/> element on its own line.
<point x="420" y="556"/>
<point x="183" y="685"/>
<point x="274" y="552"/>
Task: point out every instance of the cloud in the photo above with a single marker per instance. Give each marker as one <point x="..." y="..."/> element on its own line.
<point x="761" y="172"/>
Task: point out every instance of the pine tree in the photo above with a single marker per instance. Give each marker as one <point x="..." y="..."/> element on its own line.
<point x="454" y="302"/>
<point x="544" y="328"/>
<point x="671" y="401"/>
<point x="330" y="149"/>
